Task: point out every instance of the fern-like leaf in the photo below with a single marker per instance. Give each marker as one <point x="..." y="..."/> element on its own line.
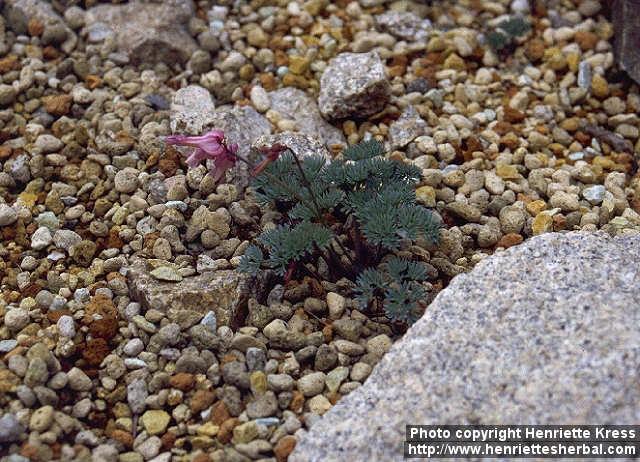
<point x="368" y="282"/>
<point x="287" y="244"/>
<point x="251" y="260"/>
<point x="364" y="150"/>
<point x="402" y="270"/>
<point x="378" y="224"/>
<point x="401" y="302"/>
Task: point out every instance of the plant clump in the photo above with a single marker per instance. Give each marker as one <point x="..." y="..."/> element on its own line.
<point x="503" y="38"/>
<point x="353" y="216"/>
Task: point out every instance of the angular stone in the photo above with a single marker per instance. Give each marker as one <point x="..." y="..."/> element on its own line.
<point x="407" y="128"/>
<point x="224" y="292"/>
<point x="558" y="306"/>
<point x="353" y="84"/>
<point x="191" y="110"/>
<point x="626" y="24"/>
<point x="147" y="32"/>
<point x="295" y="104"/>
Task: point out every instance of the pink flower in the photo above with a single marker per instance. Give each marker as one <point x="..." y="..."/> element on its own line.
<point x="271" y="154"/>
<point x="212" y="146"/>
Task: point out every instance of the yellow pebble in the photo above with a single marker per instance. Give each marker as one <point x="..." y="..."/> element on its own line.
<point x="455" y="62"/>
<point x="208" y="429"/>
<point x="599" y="86"/>
<point x="542" y="223"/>
<point x="535" y="207"/>
<point x="507" y="172"/>
<point x="573" y="60"/>
<point x="258" y="381"/>
<point x="27" y="200"/>
<point x="299" y="64"/>
<point x="426" y="195"/>
<point x="349" y="127"/>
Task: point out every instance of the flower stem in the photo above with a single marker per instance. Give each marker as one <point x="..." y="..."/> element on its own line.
<point x="307" y="184"/>
<point x="275" y="179"/>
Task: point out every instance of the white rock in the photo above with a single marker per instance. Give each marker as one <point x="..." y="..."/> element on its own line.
<point x="41" y="238"/>
<point x="16" y="318"/>
<point x="312" y="384"/>
<point x="46" y="143"/>
<point x="126" y="180"/>
<point x="133" y="347"/>
<point x="594" y="194"/>
<point x="336" y="304"/>
<point x="66" y="326"/>
<point x="7" y="215"/>
<point x="78" y="380"/>
<point x="65" y="238"/>
<point x="260" y="99"/>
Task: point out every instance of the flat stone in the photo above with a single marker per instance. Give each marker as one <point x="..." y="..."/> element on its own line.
<point x="224" y="292"/>
<point x="7" y="345"/>
<point x="563" y="308"/>
<point x="147" y="32"/>
<point x="295" y="104"/>
<point x="191" y="110"/>
<point x="353" y="84"/>
<point x="166" y="273"/>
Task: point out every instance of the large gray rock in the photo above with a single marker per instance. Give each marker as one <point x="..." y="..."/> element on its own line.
<point x="18" y="13"/>
<point x="242" y="125"/>
<point x="626" y="23"/>
<point x="296" y="105"/>
<point x="223" y="292"/>
<point x="191" y="110"/>
<point x="146" y="32"/>
<point x="353" y="84"/>
<point x="545" y="333"/>
<point x="193" y="113"/>
<point x="301" y="145"/>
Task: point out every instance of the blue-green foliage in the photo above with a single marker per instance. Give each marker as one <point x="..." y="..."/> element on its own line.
<point x="251" y="260"/>
<point x="363" y="192"/>
<point x="398" y="284"/>
<point x="506" y="32"/>
<point x="287" y="244"/>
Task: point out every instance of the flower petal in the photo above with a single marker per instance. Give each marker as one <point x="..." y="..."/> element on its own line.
<point x="175" y="139"/>
<point x="209" y="141"/>
<point x="196" y="157"/>
<point x="221" y="165"/>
